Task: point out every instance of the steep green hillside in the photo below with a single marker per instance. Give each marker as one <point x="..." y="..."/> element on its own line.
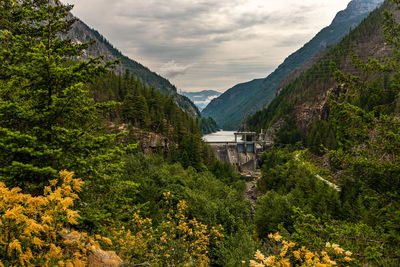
<point x="80" y="32"/>
<point x="68" y="141"/>
<point x="305" y="99"/>
<point x="341" y="181"/>
<point x="237" y="103"/>
<point x="226" y="108"/>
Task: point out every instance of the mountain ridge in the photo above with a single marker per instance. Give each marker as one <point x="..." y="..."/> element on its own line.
<point x="81" y="32"/>
<point x="229" y="111"/>
<point x="201" y="98"/>
<point x="304" y="99"/>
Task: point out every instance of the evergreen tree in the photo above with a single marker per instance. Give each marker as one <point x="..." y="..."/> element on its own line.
<point x="48" y="121"/>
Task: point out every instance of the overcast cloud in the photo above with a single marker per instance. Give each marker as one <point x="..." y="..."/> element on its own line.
<point x="208" y="44"/>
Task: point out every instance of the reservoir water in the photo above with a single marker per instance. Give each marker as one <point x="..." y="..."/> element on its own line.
<point x="220" y="136"/>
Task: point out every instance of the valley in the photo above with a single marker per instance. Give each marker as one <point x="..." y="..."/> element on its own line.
<point x="104" y="162"/>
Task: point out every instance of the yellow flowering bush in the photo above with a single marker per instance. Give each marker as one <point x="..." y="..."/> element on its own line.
<point x="289" y="254"/>
<point x="32" y="228"/>
<point x="33" y="231"/>
<point x="177" y="240"/>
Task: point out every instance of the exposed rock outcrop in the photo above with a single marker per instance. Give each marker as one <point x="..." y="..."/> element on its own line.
<point x="151" y="143"/>
<point x="101" y="258"/>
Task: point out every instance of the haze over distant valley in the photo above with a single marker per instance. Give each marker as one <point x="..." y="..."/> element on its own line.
<point x="209" y="44"/>
<point x="203" y="98"/>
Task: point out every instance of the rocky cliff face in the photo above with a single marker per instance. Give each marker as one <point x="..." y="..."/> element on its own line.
<point x="80" y="32"/>
<point x="151" y="143"/>
<point x="250" y="97"/>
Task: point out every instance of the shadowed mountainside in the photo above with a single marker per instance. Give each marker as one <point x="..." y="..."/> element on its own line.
<point x="244" y="99"/>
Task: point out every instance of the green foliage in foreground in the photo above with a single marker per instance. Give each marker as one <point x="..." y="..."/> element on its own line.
<point x="210" y="200"/>
<point x="311" y="212"/>
<point x="53" y="116"/>
<point x="48" y="121"/>
<point x="360" y="144"/>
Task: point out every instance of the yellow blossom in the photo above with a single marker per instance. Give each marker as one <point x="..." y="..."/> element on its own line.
<point x="39" y="222"/>
<point x="348" y="253"/>
<point x="339" y="250"/>
<point x="335" y="245"/>
<point x="107" y="241"/>
<point x="348" y="259"/>
<point x="15" y="245"/>
<point x="285" y="262"/>
<point x="255" y="264"/>
<point x="297" y="254"/>
<point x="259" y="255"/>
<point x="309" y="255"/>
<point x="79" y="263"/>
<point x="326" y="259"/>
<point x="37" y="242"/>
<point x="55" y="252"/>
<point x="53" y="182"/>
<point x="269" y="261"/>
<point x="47" y="219"/>
<point x="328" y="245"/>
<point x="277" y="237"/>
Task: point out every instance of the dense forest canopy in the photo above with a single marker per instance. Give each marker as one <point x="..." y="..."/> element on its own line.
<point x="354" y="145"/>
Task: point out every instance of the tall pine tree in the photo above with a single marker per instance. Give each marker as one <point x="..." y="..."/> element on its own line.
<point x="48" y="121"/>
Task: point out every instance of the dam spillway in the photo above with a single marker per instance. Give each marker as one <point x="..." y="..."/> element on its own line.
<point x="243" y="151"/>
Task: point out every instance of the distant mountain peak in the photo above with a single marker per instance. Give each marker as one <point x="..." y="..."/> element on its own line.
<point x="202" y="98"/>
<point x="230" y="109"/>
<point x="356" y="7"/>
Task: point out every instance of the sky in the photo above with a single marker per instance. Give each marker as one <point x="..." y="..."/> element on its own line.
<point x="208" y="44"/>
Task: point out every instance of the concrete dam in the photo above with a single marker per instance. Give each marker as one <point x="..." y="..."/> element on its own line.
<point x="243" y="152"/>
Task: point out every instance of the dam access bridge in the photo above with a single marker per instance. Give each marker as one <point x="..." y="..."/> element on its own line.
<point x="244" y="152"/>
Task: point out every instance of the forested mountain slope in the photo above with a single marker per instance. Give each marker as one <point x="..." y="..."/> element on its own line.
<point x="82" y="33"/>
<point x="240" y="101"/>
<point x="339" y="122"/>
<point x="63" y="119"/>
<point x="304" y="99"/>
<point x="227" y="107"/>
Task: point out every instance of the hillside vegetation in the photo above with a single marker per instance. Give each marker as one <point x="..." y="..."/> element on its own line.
<point x="179" y="205"/>
<point x="76" y="177"/>
<point x="101" y="46"/>
<point x="232" y="107"/>
<point x="353" y="143"/>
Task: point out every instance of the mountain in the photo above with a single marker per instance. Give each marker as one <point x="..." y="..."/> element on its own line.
<point x="203" y="98"/>
<point x="80" y="32"/>
<point x="244" y="99"/>
<point x="227" y="109"/>
<point x="304" y="99"/>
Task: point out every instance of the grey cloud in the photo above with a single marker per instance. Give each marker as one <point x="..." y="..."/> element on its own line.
<point x="172" y="69"/>
<point x="189" y="40"/>
<point x="291" y="40"/>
